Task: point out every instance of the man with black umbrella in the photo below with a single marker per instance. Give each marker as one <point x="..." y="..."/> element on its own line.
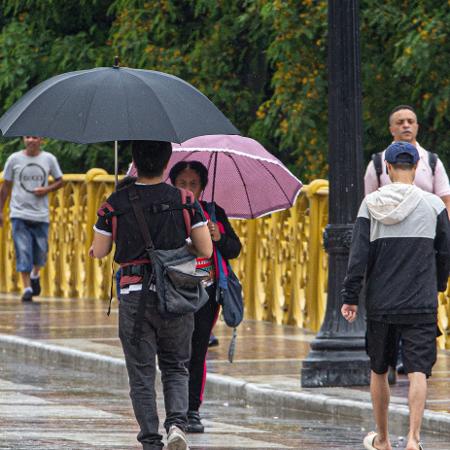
<point x="144" y="332"/>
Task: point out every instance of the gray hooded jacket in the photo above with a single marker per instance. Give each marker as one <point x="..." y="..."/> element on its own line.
<point x="401" y="245"/>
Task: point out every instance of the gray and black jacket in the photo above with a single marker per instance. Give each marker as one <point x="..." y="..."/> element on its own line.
<point x="401" y="245"/>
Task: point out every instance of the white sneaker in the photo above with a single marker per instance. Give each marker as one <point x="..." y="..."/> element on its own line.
<point x="176" y="439"/>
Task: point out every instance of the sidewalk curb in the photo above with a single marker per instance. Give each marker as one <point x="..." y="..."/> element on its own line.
<point x="222" y="386"/>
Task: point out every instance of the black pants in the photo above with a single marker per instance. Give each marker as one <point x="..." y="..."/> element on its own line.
<point x="168" y="339"/>
<point x="204" y="320"/>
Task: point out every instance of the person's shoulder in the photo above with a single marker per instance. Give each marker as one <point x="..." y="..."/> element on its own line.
<point x="118" y="198"/>
<point x="14" y="156"/>
<point x="363" y="211"/>
<point x="434" y="201"/>
<point x="48" y="155"/>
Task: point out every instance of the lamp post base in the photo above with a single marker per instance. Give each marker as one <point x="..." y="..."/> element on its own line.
<point x="336" y="362"/>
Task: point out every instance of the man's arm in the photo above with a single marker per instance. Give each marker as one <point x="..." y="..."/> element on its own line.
<point x="5" y="192"/>
<point x="44" y="190"/>
<point x="446" y="200"/>
<point x="357" y="262"/>
<point x="370" y="179"/>
<point x="101" y="245"/>
<point x="441" y="185"/>
<point x="442" y="247"/>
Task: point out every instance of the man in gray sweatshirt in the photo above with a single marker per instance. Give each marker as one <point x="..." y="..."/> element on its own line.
<point x="26" y="179"/>
<point x="401" y="246"/>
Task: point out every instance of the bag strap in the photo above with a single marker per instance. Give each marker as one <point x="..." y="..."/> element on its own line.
<point x="378" y="164"/>
<point x="140" y="218"/>
<point x="432" y="161"/>
<point x="149" y="248"/>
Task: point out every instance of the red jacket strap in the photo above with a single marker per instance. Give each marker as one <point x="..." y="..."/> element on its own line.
<point x="102" y="211"/>
<point x="185" y="194"/>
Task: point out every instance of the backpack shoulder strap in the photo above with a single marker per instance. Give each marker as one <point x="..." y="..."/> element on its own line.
<point x="378" y="165"/>
<point x="140" y="218"/>
<point x="187" y="199"/>
<point x="432" y="161"/>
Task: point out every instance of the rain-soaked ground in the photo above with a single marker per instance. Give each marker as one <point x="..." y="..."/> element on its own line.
<point x="43" y="408"/>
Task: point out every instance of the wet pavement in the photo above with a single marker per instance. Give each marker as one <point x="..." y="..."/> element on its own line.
<point x="57" y="407"/>
<point x="60" y="408"/>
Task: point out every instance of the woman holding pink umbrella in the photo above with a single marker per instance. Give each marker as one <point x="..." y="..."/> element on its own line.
<point x="193" y="175"/>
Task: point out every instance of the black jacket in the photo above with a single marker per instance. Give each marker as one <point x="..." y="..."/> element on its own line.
<point x="401" y="246"/>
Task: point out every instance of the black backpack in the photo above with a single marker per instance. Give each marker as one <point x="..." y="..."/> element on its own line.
<point x="378" y="163"/>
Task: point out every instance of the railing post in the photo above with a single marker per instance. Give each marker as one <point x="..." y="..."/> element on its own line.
<point x="315" y="300"/>
<point x="90" y="222"/>
<point x="252" y="304"/>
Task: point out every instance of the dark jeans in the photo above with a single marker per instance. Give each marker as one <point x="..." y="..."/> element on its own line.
<point x="170" y="340"/>
<point x="205" y="319"/>
<point x="30" y="244"/>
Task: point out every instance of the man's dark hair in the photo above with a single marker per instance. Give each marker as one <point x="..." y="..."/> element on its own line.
<point x="150" y="157"/>
<point x="398" y="108"/>
<point x="196" y="166"/>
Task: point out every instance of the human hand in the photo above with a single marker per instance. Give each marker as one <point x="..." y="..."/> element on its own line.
<point x="349" y="312"/>
<point x="40" y="191"/>
<point x="214" y="231"/>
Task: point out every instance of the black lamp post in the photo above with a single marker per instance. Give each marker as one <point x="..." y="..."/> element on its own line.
<point x="337" y="356"/>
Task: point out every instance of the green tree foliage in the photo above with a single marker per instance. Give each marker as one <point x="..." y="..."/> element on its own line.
<point x="263" y="62"/>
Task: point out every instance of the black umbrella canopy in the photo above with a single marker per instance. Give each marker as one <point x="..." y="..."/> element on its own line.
<point x="114" y="104"/>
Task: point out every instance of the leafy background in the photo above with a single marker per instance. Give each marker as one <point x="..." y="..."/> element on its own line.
<point x="262" y="62"/>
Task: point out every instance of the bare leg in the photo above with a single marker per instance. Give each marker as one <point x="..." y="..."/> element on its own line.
<point x="416" y="399"/>
<point x="35" y="272"/>
<point x="25" y="279"/>
<point x="380" y="392"/>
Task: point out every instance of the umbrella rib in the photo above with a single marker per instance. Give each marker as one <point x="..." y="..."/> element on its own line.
<point x="243" y="183"/>
<point x="157" y="99"/>
<point x="210" y="160"/>
<point x="209" y="165"/>
<point x="276" y="181"/>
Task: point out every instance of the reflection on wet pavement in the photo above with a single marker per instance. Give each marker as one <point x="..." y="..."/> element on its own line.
<point x="265" y="352"/>
<point x="78" y="407"/>
<point x="52" y="408"/>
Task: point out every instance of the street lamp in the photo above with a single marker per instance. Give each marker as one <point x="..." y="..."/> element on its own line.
<point x="337" y="356"/>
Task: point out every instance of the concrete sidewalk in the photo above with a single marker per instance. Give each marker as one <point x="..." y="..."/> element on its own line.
<point x="266" y="370"/>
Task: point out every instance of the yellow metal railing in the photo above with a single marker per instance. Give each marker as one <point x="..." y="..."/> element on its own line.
<point x="283" y="267"/>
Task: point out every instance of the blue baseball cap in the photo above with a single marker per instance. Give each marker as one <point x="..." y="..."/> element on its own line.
<point x="401" y="152"/>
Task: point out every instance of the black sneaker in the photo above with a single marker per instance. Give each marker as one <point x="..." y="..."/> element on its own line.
<point x="36" y="285"/>
<point x="213" y="341"/>
<point x="27" y="296"/>
<point x="194" y="423"/>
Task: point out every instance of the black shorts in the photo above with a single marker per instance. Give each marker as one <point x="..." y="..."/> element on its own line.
<point x="418" y="346"/>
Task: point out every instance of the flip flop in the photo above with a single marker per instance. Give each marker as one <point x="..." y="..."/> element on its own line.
<point x="369" y="441"/>
<point x="421" y="447"/>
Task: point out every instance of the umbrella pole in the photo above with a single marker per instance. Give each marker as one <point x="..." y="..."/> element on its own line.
<point x="116" y="164"/>
<point x="214" y="177"/>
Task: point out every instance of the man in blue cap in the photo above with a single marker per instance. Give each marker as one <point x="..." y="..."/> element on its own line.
<point x="401" y="246"/>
